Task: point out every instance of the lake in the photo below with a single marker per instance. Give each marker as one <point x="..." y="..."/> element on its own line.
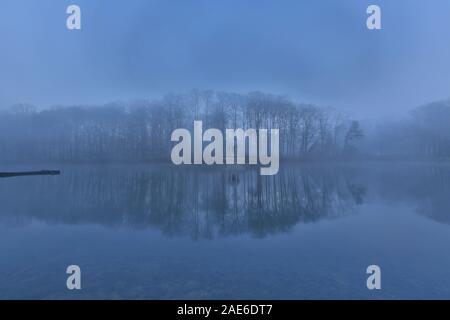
<point x="165" y="232"/>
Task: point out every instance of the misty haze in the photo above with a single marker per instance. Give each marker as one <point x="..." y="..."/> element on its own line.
<point x="86" y="175"/>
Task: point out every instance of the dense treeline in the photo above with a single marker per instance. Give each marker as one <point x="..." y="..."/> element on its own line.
<point x="424" y="134"/>
<point x="140" y="131"/>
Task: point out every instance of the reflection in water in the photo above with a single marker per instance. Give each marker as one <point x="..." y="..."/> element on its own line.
<point x="424" y="186"/>
<point x="198" y="203"/>
<point x="241" y="210"/>
<point x="216" y="202"/>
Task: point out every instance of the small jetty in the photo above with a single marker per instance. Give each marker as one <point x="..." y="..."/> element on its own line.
<point x="29" y="173"/>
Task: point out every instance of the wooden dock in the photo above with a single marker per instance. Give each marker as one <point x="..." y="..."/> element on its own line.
<point x="30" y="173"/>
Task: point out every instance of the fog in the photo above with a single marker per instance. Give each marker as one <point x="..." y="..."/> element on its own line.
<point x="311" y="51"/>
<point x="94" y="174"/>
<point x="137" y="70"/>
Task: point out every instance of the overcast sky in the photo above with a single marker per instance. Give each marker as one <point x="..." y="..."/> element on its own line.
<point x="317" y="51"/>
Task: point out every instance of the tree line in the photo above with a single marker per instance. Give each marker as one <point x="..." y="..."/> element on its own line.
<point x="423" y="134"/>
<point x="140" y="131"/>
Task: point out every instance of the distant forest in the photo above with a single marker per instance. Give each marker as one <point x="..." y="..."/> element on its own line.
<point x="140" y="131"/>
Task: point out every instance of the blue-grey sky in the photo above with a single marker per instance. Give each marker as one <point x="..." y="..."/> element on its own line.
<point x="317" y="51"/>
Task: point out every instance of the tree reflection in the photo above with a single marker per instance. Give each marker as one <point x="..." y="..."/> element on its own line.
<point x="199" y="203"/>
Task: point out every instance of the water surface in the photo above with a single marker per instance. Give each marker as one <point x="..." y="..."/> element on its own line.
<point x="160" y="232"/>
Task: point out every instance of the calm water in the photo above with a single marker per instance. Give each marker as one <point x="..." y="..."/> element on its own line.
<point x="160" y="232"/>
